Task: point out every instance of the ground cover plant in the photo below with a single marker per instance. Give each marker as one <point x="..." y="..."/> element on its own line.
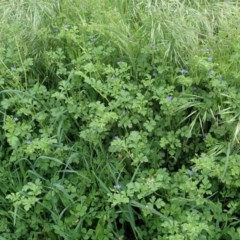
<point x="122" y="123"/>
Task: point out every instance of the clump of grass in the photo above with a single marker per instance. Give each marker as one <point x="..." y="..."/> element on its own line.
<point x="176" y="27"/>
<point x="27" y="15"/>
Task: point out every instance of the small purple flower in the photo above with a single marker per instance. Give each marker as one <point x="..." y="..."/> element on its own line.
<point x="118" y="63"/>
<point x="112" y="78"/>
<point x="210" y="58"/>
<point x="220" y="78"/>
<point x="13" y="68"/>
<point x="154" y="73"/>
<point x="195" y="88"/>
<point x="169" y="98"/>
<point x="207" y="49"/>
<point x="92" y="39"/>
<point x="116" y="137"/>
<point x="124" y="112"/>
<point x="66" y="26"/>
<point x="154" y="46"/>
<point x="117" y="186"/>
<point x="209" y="72"/>
<point x="184" y="229"/>
<point x="28" y="141"/>
<point x="15" y="119"/>
<point x="191" y="172"/>
<point x="183" y="71"/>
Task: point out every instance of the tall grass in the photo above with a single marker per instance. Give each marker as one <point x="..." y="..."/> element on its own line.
<point x="27" y="15"/>
<point x="176" y="27"/>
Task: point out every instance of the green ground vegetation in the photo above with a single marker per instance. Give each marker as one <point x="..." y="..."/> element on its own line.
<point x="119" y="119"/>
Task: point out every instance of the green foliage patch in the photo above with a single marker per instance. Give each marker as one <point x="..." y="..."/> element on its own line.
<point x="121" y="124"/>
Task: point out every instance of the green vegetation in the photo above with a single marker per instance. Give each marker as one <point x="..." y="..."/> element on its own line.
<point x="120" y="119"/>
